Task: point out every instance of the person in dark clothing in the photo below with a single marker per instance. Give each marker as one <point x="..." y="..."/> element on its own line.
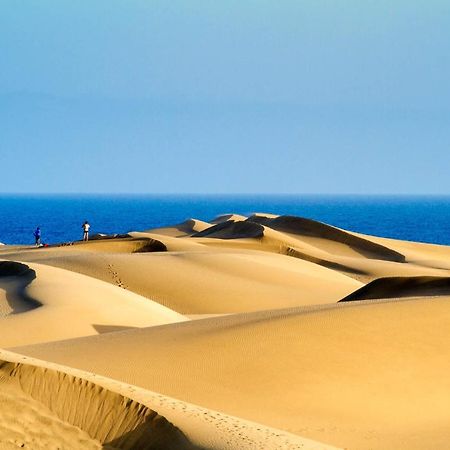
<point x="37" y="236"/>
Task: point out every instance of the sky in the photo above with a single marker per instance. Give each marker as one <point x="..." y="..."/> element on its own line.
<point x="236" y="96"/>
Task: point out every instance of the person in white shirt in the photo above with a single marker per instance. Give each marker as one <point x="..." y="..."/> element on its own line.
<point x="86" y="227"/>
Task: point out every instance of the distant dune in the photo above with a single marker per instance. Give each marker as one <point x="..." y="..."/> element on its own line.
<point x="232" y="230"/>
<point x="187" y="228"/>
<point x="227" y="217"/>
<point x="261" y="332"/>
<point x="398" y="287"/>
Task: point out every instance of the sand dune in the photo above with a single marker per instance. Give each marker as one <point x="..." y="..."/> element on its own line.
<point x="397" y="287"/>
<point x="418" y="260"/>
<point x="215" y="282"/>
<point x="232" y="230"/>
<point x="276" y="353"/>
<point x="14" y="278"/>
<point x="185" y="228"/>
<point x="120" y="245"/>
<point x="225" y="217"/>
<point x="77" y="409"/>
<point x="47" y="408"/>
<point x="317" y="230"/>
<point x="43" y="301"/>
<point x="308" y="371"/>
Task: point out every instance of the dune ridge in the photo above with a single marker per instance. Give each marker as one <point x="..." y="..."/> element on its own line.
<point x="296" y="333"/>
<point x="121" y="416"/>
<point x="43" y="298"/>
<point x="398" y="287"/>
<point x="186" y="228"/>
<point x="227" y="217"/>
<point x="106" y="416"/>
<point x="312" y="228"/>
<point x="314" y="375"/>
<point x="231" y="229"/>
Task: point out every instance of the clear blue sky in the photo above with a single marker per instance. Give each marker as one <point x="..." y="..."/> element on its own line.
<point x="225" y="96"/>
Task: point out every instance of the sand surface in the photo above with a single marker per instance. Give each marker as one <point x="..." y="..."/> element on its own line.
<point x="261" y="332"/>
<point x="85" y="410"/>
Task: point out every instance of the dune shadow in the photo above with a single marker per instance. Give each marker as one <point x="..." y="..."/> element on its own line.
<point x="149" y="245"/>
<point x="144" y="437"/>
<point x="115" y="420"/>
<point x="15" y="277"/>
<point x="323" y="262"/>
<point x="399" y="287"/>
<point x="232" y="230"/>
<point x="311" y="228"/>
<point x="102" y="329"/>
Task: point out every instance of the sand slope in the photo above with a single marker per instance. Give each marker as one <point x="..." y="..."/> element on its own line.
<point x="282" y="356"/>
<point x="97" y="412"/>
<point x="42" y="303"/>
<point x="395" y="287"/>
<point x="186" y="228"/>
<point x="316" y="232"/>
<point x="209" y="282"/>
<point x="48" y="408"/>
<point x="356" y="376"/>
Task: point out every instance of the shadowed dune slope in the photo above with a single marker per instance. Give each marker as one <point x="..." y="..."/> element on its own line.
<point x="45" y="405"/>
<point x="14" y="268"/>
<point x="214" y="282"/>
<point x="48" y="303"/>
<point x="355" y="375"/>
<point x="51" y="409"/>
<point x="14" y="279"/>
<point x="231" y="229"/>
<point x="313" y="229"/>
<point x="116" y="245"/>
<point x="397" y="287"/>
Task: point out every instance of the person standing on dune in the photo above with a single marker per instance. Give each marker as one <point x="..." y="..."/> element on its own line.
<point x="37" y="236"/>
<point x="86" y="227"/>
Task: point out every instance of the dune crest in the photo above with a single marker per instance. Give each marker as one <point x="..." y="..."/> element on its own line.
<point x="226" y="217"/>
<point x="42" y="299"/>
<point x="121" y="416"/>
<point x="278" y="355"/>
<point x="314" y="229"/>
<point x="186" y="228"/>
<point x="398" y="287"/>
<point x="103" y="415"/>
<point x="231" y="229"/>
<point x="312" y="364"/>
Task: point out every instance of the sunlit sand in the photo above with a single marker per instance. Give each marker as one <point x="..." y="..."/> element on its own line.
<point x="264" y="332"/>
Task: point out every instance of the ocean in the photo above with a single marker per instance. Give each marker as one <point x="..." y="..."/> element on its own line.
<point x="424" y="219"/>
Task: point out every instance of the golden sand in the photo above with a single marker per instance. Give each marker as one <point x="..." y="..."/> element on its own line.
<point x="263" y="332"/>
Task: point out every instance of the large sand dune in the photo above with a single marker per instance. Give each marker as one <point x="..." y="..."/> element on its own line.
<point x="48" y="408"/>
<point x="45" y="405"/>
<point x="42" y="303"/>
<point x="308" y="371"/>
<point x="211" y="281"/>
<point x="186" y="228"/>
<point x="301" y="331"/>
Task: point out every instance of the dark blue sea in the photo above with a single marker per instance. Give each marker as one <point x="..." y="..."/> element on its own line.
<point x="425" y="219"/>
